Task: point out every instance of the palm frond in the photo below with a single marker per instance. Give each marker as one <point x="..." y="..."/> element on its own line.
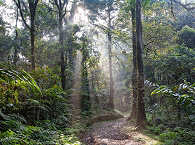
<point x="11" y="74"/>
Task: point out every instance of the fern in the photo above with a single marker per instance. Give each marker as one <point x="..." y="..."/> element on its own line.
<point x="10" y="74"/>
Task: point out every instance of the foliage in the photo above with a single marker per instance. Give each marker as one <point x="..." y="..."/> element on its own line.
<point x="46" y="77"/>
<point x="167" y="74"/>
<point x="172" y="67"/>
<point x="6" y="44"/>
<point x="54" y="98"/>
<point x="157" y="37"/>
<point x="32" y="135"/>
<point x="33" y="107"/>
<point x="20" y="94"/>
<point x="9" y="75"/>
<point x="14" y="84"/>
<point x="21" y="105"/>
<point x="183" y="94"/>
<point x="184" y="18"/>
<point x="178" y="136"/>
<point x="168" y="136"/>
<point x="158" y="33"/>
<point x="131" y="4"/>
<point x="85" y="100"/>
<point x="187" y="37"/>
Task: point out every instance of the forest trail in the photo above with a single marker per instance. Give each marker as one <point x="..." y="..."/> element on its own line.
<point x="115" y="132"/>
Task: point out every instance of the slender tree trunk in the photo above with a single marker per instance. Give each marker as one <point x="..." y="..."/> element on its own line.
<point x="70" y="62"/>
<point x="93" y="87"/>
<point x="141" y="116"/>
<point x="111" y="99"/>
<point x="16" y="40"/>
<point x="134" y="74"/>
<point x="85" y="102"/>
<point x="61" y="42"/>
<point x="93" y="84"/>
<point x="32" y="40"/>
<point x="32" y="8"/>
<point x="32" y="5"/>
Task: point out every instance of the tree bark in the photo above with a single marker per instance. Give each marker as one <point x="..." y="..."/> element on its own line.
<point x="134" y="74"/>
<point x="70" y="58"/>
<point x="85" y="101"/>
<point x="61" y="42"/>
<point x="141" y="116"/>
<point x="111" y="97"/>
<point x="32" y="7"/>
<point x="32" y="40"/>
<point x="16" y="40"/>
<point x="62" y="7"/>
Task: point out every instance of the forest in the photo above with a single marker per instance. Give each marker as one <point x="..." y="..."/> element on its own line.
<point x="97" y="72"/>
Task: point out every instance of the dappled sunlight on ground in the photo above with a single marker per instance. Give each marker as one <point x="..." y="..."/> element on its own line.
<point x="142" y="136"/>
<point x="117" y="132"/>
<point x="130" y="130"/>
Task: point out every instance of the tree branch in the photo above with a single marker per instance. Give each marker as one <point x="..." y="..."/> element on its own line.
<point x="18" y="4"/>
<point x="56" y="3"/>
<point x="35" y="4"/>
<point x="65" y="11"/>
<point x="185" y="6"/>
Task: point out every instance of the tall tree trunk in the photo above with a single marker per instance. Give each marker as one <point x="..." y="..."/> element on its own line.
<point x="111" y="98"/>
<point x="93" y="88"/>
<point x="32" y="40"/>
<point x="32" y="7"/>
<point x="141" y="116"/>
<point x="85" y="101"/>
<point x="70" y="62"/>
<point x="61" y="42"/>
<point x="16" y="40"/>
<point x="93" y="96"/>
<point x="134" y="74"/>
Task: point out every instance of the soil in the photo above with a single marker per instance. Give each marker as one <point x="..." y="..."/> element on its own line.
<point x="109" y="133"/>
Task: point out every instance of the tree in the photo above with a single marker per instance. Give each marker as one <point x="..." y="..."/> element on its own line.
<point x="131" y="7"/>
<point x="105" y="6"/>
<point x="6" y="42"/>
<point x="29" y="7"/>
<point x="109" y="35"/>
<point x="138" y="110"/>
<point x="61" y="11"/>
<point x="187" y="6"/>
<point x="158" y="31"/>
<point x="15" y="59"/>
<point x="184" y="18"/>
<point x="187" y="37"/>
<point x="141" y="116"/>
<point x="85" y="101"/>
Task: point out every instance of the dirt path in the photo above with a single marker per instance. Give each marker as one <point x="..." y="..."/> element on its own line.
<point x="110" y="133"/>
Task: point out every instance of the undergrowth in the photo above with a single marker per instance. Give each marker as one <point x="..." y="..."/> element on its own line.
<point x="172" y="136"/>
<point x="33" y="115"/>
<point x="43" y="133"/>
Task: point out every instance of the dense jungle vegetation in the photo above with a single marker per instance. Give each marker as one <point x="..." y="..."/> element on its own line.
<point x="97" y="72"/>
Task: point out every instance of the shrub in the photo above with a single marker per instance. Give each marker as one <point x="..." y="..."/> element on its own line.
<point x="46" y="78"/>
<point x="187" y="37"/>
<point x="31" y="135"/>
<point x="179" y="136"/>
